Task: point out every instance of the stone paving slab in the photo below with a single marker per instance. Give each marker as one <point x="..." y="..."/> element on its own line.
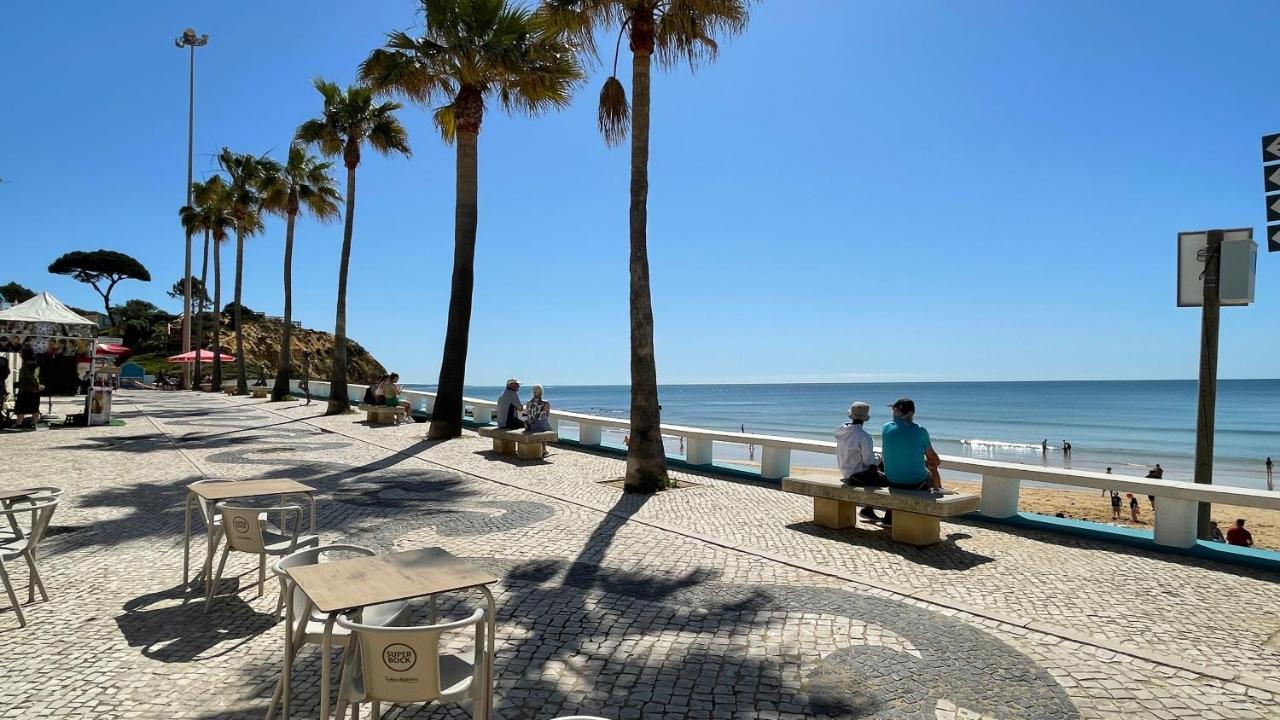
<point x="600" y="612"/>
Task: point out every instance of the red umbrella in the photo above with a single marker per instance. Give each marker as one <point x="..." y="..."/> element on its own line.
<point x="112" y="349"/>
<point x="205" y="356"/>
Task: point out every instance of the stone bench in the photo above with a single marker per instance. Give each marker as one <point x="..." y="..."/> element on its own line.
<point x="915" y="512"/>
<point x="261" y="392"/>
<point x="383" y="414"/>
<point x="524" y="445"/>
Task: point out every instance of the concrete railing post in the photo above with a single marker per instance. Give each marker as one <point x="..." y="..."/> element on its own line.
<point x="588" y="433"/>
<point x="555" y="424"/>
<point x="1176" y="522"/>
<point x="698" y="451"/>
<point x="1000" y="496"/>
<point x="775" y="462"/>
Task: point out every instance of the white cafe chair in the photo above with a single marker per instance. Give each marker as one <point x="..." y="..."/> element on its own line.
<point x="305" y="624"/>
<point x="23" y="545"/>
<point x="407" y="665"/>
<point x="247" y="530"/>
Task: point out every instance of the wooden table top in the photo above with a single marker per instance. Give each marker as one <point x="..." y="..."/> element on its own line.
<point x="248" y="488"/>
<point x="358" y="582"/>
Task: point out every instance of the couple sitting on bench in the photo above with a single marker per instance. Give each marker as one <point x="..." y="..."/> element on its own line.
<point x="385" y="391"/>
<point x="908" y="463"/>
<point x="515" y="415"/>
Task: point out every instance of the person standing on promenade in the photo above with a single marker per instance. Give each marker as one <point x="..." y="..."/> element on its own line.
<point x="305" y="383"/>
<point x="1239" y="536"/>
<point x="856" y="455"/>
<point x="1270" y="477"/>
<point x="510" y="409"/>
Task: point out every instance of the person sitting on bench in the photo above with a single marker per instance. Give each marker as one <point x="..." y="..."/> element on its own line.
<point x="909" y="460"/>
<point x="510" y="409"/>
<point x="856" y="455"/>
<point x="537" y="414"/>
<point x="391" y="396"/>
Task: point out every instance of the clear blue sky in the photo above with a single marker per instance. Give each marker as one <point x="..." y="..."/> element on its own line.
<point x="856" y="190"/>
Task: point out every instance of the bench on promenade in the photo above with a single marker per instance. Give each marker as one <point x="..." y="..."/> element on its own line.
<point x="915" y="512"/>
<point x="261" y="392"/>
<point x="383" y="414"/>
<point x="524" y="445"/>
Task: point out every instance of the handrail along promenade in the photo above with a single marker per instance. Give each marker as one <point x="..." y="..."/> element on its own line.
<point x="1176" y="502"/>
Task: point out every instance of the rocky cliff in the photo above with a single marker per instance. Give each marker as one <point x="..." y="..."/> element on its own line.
<point x="262" y="349"/>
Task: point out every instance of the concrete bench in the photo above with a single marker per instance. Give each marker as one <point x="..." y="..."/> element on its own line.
<point x="915" y="512"/>
<point x="261" y="392"/>
<point x="524" y="445"/>
<point x="383" y="414"/>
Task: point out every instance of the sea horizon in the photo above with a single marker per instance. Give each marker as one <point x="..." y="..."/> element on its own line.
<point x="1127" y="425"/>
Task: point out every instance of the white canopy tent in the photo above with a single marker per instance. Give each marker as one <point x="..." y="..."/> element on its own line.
<point x="46" y="326"/>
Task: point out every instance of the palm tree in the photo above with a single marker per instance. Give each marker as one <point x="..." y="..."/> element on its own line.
<point x="349" y="119"/>
<point x="304" y="182"/>
<point x="470" y="50"/>
<point x="247" y="175"/>
<point x="669" y="31"/>
<point x="208" y="216"/>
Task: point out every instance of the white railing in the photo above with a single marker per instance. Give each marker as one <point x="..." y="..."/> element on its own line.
<point x="1176" y="502"/>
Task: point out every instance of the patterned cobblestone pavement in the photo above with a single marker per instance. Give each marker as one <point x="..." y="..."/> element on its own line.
<point x="715" y="601"/>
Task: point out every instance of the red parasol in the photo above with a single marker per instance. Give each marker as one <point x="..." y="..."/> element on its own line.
<point x="112" y="349"/>
<point x="205" y="356"/>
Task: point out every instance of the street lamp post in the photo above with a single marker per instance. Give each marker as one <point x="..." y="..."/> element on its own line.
<point x="189" y="39"/>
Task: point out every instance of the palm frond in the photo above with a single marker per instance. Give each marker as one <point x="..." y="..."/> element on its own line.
<point x="686" y="29"/>
<point x="615" y="112"/>
<point x="446" y="123"/>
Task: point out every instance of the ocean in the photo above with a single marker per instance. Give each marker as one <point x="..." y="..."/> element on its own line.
<point x="1126" y="425"/>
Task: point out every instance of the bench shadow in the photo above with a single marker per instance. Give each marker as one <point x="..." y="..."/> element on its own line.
<point x="495" y="456"/>
<point x="945" y="555"/>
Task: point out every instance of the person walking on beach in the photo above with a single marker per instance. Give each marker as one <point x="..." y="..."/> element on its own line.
<point x="1155" y="473"/>
<point x="1239" y="536"/>
<point x="1270" y="477"/>
<point x="1115" y="504"/>
<point x="1133" y="507"/>
<point x="1044" y="446"/>
<point x="856" y="454"/>
<point x="510" y="409"/>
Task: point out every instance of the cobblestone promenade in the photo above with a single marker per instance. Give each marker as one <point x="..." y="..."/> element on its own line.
<point x="717" y="600"/>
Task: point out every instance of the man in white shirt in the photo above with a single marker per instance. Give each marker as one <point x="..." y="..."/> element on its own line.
<point x="510" y="409"/>
<point x="856" y="455"/>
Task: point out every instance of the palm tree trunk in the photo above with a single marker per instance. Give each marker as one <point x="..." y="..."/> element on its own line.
<point x="217" y="322"/>
<point x="199" y="343"/>
<point x="338" y="401"/>
<point x="646" y="457"/>
<point x="446" y="416"/>
<point x="286" y="335"/>
<point x="242" y="380"/>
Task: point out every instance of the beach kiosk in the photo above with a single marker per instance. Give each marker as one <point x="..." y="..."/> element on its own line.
<point x="46" y="327"/>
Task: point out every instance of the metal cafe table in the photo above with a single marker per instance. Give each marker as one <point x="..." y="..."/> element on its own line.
<point x="344" y="585"/>
<point x="11" y="495"/>
<point x="214" y="492"/>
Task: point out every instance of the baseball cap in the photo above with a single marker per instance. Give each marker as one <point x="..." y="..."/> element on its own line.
<point x="512" y="381"/>
<point x="860" y="411"/>
<point x="904" y="405"/>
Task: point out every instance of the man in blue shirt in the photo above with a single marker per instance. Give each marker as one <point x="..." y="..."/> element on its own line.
<point x="909" y="459"/>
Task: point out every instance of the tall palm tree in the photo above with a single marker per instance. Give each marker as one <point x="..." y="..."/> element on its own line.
<point x="304" y="183"/>
<point x="247" y="175"/>
<point x="670" y="31"/>
<point x="470" y="50"/>
<point x="209" y="216"/>
<point x="348" y="120"/>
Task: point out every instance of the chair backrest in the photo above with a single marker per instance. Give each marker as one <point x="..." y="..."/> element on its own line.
<point x="243" y="525"/>
<point x="41" y="511"/>
<point x="402" y="664"/>
<point x="206" y="507"/>
<point x="311" y="556"/>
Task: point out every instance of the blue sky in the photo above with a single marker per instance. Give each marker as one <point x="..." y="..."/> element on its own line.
<point x="929" y="190"/>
